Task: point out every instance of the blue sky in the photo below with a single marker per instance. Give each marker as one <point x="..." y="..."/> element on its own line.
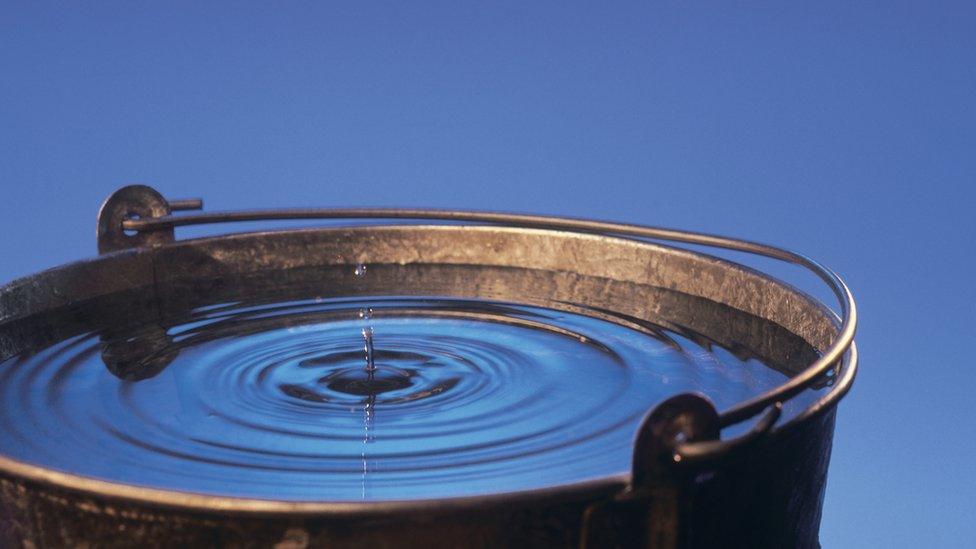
<point x="842" y="130"/>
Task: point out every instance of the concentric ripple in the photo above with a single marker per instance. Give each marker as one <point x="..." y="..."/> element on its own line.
<point x="357" y="400"/>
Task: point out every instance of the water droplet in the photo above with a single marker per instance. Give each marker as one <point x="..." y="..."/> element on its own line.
<point x="360" y="270"/>
<point x="366" y="314"/>
<point x="368" y="349"/>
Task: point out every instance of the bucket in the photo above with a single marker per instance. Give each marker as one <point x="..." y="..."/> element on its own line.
<point x="415" y="378"/>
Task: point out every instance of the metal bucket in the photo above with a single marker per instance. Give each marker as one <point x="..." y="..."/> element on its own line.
<point x="689" y="486"/>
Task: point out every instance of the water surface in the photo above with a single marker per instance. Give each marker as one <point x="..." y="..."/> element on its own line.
<point x="358" y="399"/>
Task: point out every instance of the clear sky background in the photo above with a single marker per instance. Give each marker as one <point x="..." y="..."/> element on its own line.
<point x="843" y="130"/>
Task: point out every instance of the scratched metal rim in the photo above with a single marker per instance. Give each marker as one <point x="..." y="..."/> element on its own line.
<point x="197" y="502"/>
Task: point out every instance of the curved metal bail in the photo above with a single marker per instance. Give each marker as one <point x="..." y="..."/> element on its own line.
<point x="137" y="202"/>
<point x="654" y="510"/>
<point x="683" y="418"/>
<point x="658" y="477"/>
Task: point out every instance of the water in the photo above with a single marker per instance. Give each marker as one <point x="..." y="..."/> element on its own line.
<point x="372" y="387"/>
<point x="353" y="399"/>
